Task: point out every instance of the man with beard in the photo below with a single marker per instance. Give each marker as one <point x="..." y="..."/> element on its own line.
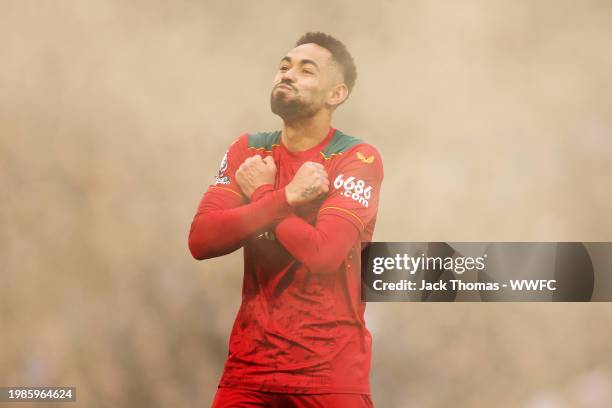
<point x="300" y="201"/>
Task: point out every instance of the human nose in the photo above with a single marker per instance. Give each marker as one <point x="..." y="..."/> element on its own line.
<point x="288" y="75"/>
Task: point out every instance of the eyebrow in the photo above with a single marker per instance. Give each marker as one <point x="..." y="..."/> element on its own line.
<point x="303" y="62"/>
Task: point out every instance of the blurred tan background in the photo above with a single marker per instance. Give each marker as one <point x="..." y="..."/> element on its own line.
<point x="494" y="119"/>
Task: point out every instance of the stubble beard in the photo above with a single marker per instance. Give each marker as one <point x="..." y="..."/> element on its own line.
<point x="291" y="110"/>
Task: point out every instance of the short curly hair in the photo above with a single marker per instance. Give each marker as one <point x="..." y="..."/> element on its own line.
<point x="338" y="51"/>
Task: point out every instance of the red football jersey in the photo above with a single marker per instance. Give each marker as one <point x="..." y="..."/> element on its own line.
<point x="300" y="328"/>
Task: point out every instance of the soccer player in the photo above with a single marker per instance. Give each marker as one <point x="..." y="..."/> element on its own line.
<point x="300" y="201"/>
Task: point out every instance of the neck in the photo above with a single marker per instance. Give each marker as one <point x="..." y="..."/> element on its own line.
<point x="303" y="134"/>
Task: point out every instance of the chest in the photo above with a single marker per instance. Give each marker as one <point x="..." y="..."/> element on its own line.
<point x="287" y="166"/>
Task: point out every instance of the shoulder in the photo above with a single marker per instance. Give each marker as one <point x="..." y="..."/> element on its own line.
<point x="238" y="145"/>
<point x="364" y="153"/>
<point x="265" y="141"/>
<point x="256" y="141"/>
<point x="349" y="150"/>
<point x="339" y="144"/>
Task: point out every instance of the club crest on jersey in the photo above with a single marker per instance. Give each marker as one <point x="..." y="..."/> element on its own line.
<point x="368" y="160"/>
<point x="221" y="177"/>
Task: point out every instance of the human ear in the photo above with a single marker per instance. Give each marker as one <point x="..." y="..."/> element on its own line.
<point x="337" y="94"/>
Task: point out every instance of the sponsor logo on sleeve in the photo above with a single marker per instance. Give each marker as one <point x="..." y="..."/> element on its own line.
<point x="367" y="160"/>
<point x="354" y="189"/>
<point x="221" y="177"/>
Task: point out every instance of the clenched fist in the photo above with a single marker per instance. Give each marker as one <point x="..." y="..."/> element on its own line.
<point x="309" y="182"/>
<point x="255" y="172"/>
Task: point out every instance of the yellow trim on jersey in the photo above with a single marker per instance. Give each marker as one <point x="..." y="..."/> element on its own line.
<point x="331" y="155"/>
<point x="346" y="211"/>
<point x="227" y="189"/>
<point x="263" y="148"/>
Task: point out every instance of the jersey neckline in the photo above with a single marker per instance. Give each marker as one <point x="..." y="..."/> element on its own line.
<point x="318" y="148"/>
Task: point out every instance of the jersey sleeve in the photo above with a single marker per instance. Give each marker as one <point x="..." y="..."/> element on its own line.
<point x="355" y="186"/>
<point x="225" y="185"/>
<point x="322" y="247"/>
<point x="224" y="218"/>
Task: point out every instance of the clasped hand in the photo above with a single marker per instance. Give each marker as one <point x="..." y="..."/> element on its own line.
<point x="309" y="182"/>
